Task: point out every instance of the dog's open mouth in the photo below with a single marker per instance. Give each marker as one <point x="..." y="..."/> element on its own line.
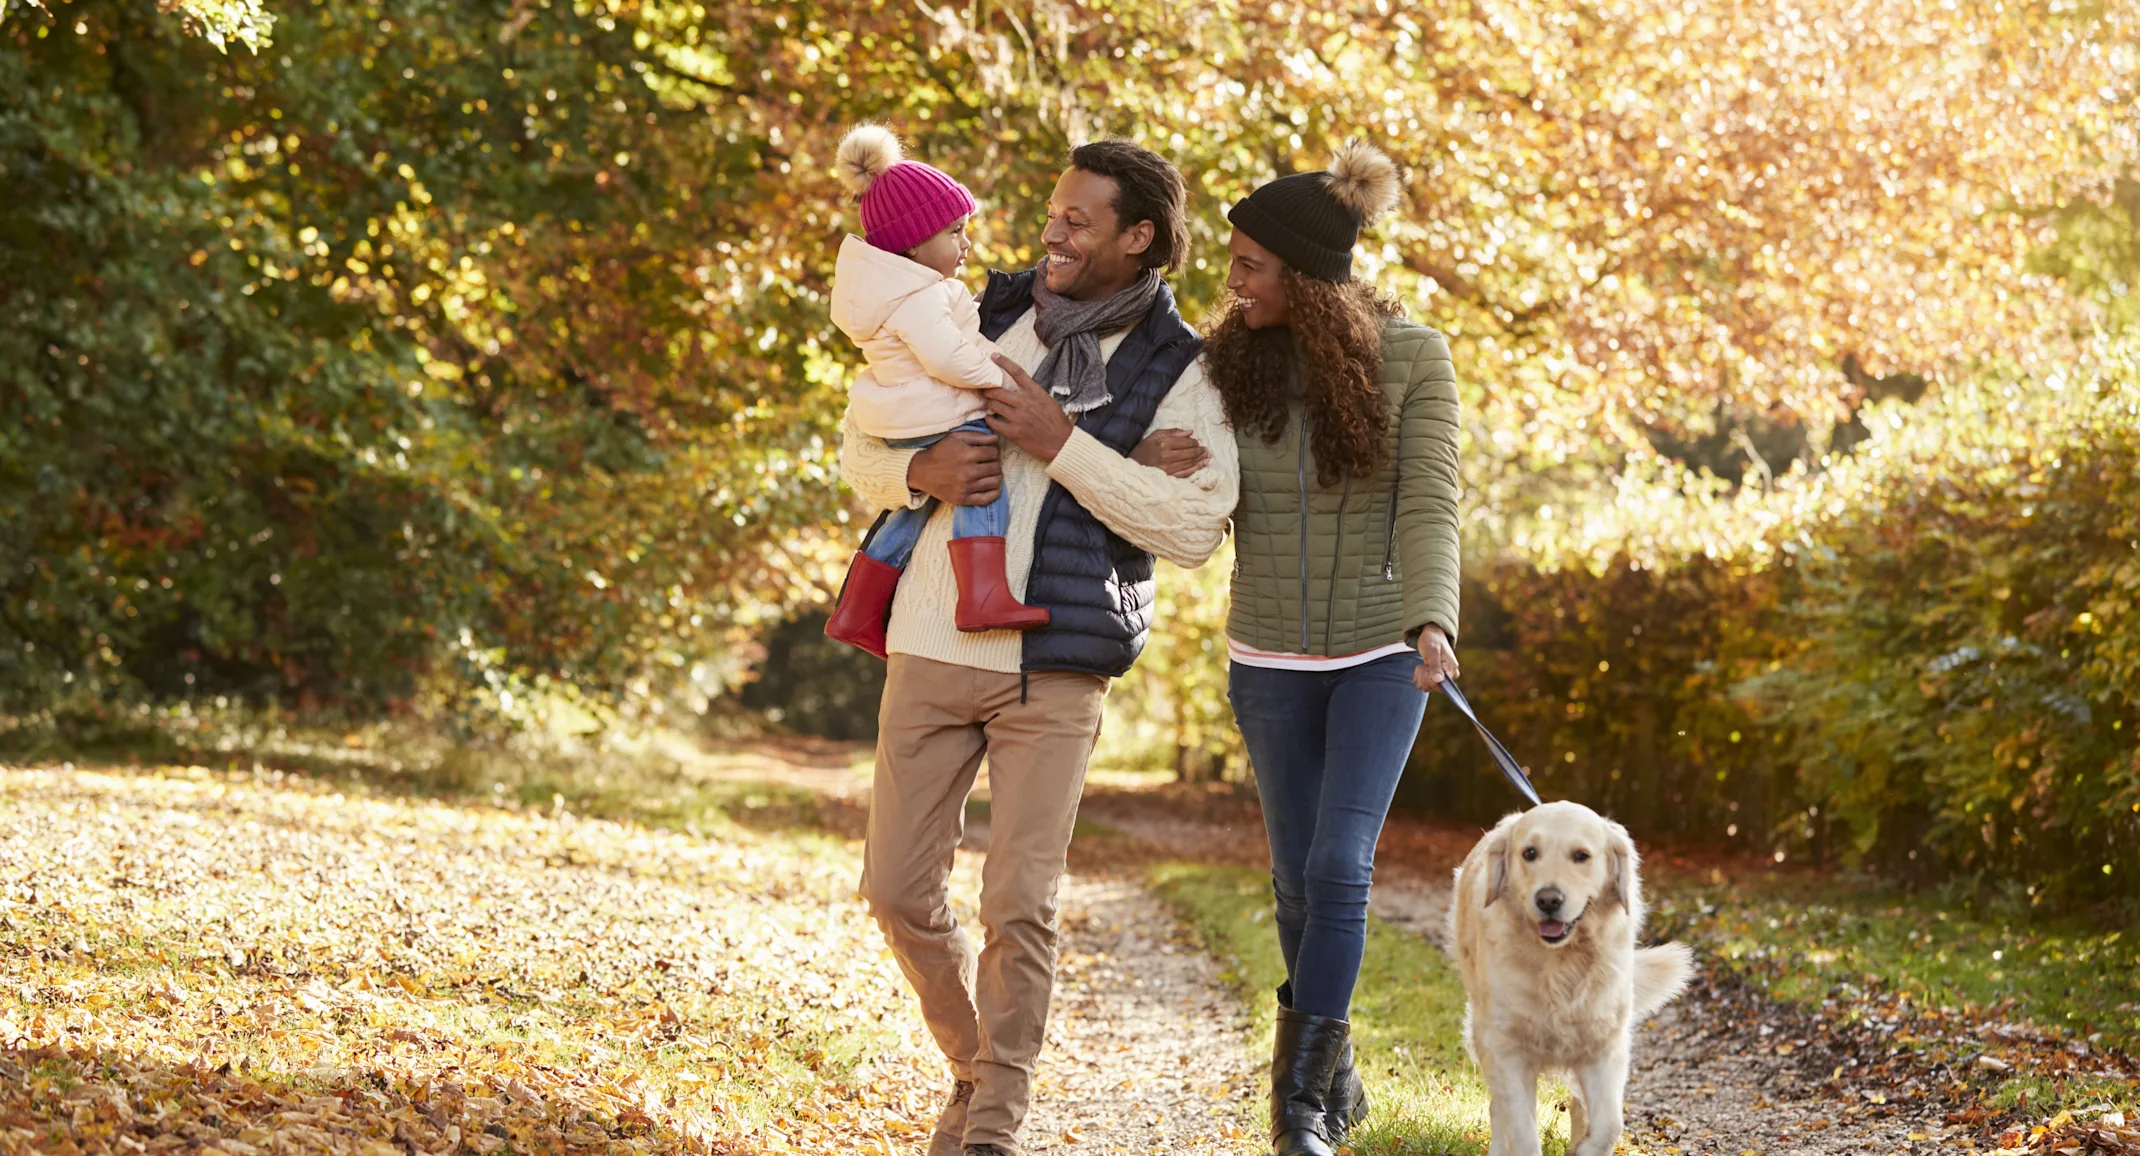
<point x="1554" y="931"/>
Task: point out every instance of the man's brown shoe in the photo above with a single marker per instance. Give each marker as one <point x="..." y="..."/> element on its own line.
<point x="949" y="1139"/>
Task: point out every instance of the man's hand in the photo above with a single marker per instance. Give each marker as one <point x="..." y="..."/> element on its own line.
<point x="964" y="469"/>
<point x="1437" y="659"/>
<point x="1174" y="450"/>
<point x="1024" y="413"/>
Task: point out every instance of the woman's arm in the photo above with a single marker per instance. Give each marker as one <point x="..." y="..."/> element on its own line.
<point x="1427" y="484"/>
<point x="1180" y="519"/>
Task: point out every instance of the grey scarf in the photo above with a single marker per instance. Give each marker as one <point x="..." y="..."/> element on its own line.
<point x="1073" y="372"/>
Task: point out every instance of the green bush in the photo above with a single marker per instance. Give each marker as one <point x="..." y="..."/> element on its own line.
<point x="1925" y="657"/>
<point x="1966" y="675"/>
<point x="1616" y="690"/>
<point x="1170" y="712"/>
<point x="808" y="684"/>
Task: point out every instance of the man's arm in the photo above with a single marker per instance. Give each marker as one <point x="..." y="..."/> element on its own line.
<point x="876" y="472"/>
<point x="1180" y="519"/>
<point x="964" y="469"/>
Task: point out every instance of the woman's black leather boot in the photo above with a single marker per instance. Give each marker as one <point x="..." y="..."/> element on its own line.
<point x="1346" y="1108"/>
<point x="1304" y="1057"/>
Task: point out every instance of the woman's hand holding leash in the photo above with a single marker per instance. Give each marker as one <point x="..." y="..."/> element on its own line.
<point x="1437" y="659"/>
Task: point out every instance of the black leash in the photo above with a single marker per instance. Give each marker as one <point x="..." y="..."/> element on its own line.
<point x="1502" y="758"/>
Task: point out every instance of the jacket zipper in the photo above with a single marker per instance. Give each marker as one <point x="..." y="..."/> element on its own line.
<point x="1304" y="531"/>
<point x="1389" y="545"/>
<point x="1336" y="559"/>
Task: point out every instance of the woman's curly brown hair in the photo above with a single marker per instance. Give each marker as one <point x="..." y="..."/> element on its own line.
<point x="1336" y="333"/>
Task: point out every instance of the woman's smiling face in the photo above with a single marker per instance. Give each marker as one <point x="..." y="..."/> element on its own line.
<point x="1253" y="276"/>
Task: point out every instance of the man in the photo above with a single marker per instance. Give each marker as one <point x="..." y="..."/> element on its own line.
<point x="1096" y="325"/>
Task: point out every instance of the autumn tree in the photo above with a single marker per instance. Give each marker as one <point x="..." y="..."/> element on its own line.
<point x="488" y="341"/>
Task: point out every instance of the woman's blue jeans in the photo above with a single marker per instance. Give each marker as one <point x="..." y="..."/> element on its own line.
<point x="893" y="543"/>
<point x="1328" y="748"/>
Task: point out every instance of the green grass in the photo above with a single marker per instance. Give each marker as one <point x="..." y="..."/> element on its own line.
<point x="55" y="1073"/>
<point x="2021" y="1092"/>
<point x="1408" y="1016"/>
<point x="1807" y="939"/>
<point x="679" y="804"/>
<point x="1936" y="968"/>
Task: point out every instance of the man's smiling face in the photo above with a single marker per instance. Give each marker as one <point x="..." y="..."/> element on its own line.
<point x="1090" y="253"/>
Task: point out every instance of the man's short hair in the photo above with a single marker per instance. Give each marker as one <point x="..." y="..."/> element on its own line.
<point x="1147" y="188"/>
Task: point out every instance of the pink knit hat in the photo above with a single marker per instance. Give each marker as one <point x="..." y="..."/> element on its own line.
<point x="903" y="202"/>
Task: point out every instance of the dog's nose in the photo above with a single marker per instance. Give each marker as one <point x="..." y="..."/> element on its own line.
<point x="1549" y="900"/>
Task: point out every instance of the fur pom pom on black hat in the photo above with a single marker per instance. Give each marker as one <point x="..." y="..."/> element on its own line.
<point x="1312" y="220"/>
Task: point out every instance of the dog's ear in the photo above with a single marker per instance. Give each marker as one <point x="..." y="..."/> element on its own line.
<point x="1622" y="864"/>
<point x="1497" y="868"/>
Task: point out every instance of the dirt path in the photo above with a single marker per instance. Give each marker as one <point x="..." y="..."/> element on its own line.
<point x="1703" y="1084"/>
<point x="1719" y="1073"/>
<point x="1147" y="1051"/>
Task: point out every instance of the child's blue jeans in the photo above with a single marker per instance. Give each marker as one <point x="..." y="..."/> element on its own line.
<point x="893" y="543"/>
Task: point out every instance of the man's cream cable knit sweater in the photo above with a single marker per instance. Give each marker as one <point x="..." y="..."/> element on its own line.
<point x="1180" y="519"/>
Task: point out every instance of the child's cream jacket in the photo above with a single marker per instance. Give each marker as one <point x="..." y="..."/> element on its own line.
<point x="921" y="334"/>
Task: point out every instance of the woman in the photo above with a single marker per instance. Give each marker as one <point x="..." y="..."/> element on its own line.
<point x="1344" y="588"/>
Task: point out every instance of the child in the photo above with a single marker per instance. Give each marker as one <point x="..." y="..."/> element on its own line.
<point x="895" y="292"/>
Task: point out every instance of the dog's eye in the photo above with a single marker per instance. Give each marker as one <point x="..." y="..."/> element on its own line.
<point x="1581" y="856"/>
<point x="1530" y="854"/>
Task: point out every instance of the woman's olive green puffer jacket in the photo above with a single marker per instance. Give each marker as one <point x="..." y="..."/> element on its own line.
<point x="1341" y="570"/>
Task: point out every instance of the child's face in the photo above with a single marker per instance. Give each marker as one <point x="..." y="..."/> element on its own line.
<point x="945" y="251"/>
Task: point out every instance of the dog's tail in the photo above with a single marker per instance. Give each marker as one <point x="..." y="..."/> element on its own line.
<point x="1661" y="973"/>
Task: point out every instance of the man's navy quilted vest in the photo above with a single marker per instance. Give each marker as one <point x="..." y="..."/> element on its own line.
<point x="1097" y="588"/>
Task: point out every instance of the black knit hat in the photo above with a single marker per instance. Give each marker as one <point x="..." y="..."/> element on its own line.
<point x="1312" y="220"/>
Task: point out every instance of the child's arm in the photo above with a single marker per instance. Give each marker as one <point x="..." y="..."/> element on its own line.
<point x="929" y="327"/>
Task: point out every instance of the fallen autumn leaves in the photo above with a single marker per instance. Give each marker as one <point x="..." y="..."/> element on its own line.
<point x="216" y="963"/>
<point x="222" y="963"/>
<point x="2063" y="1136"/>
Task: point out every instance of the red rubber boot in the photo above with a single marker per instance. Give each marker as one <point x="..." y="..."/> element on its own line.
<point x="865" y="605"/>
<point x="985" y="599"/>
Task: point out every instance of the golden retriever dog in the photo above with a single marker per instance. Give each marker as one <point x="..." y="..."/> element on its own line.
<point x="1544" y="919"/>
